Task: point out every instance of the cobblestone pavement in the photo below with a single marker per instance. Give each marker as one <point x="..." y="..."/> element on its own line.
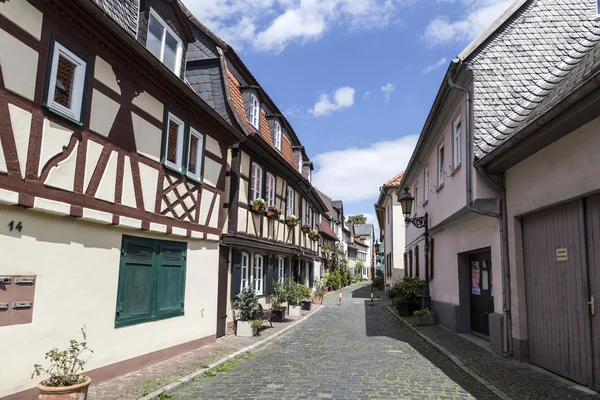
<point x="517" y="380"/>
<point x="353" y="351"/>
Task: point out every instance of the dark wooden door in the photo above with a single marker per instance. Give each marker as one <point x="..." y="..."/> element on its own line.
<point x="222" y="291"/>
<point x="592" y="206"/>
<point x="557" y="291"/>
<point x="482" y="300"/>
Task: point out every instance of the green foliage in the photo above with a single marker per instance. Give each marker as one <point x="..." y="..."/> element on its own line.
<point x="246" y="304"/>
<point x="357" y="219"/>
<point x="358" y="268"/>
<point x="408" y="290"/>
<point x="64" y="365"/>
<point x="165" y="395"/>
<point x="278" y="296"/>
<point x="305" y="291"/>
<point x="256" y="323"/>
<point x="319" y="288"/>
<point x="260" y="204"/>
<point x="378" y="283"/>
<point x="336" y="258"/>
<point x="294" y="292"/>
<point x="419" y="313"/>
<point x="333" y="279"/>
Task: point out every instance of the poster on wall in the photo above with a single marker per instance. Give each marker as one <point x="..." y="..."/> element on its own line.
<point x="475" y="278"/>
<point x="491" y="283"/>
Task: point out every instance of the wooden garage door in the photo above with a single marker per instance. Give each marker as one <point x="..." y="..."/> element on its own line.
<point x="556" y="284"/>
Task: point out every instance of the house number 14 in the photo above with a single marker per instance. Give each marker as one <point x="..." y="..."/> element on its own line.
<point x="18" y="226"/>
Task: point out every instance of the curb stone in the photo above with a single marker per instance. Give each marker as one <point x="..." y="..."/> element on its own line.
<point x="454" y="359"/>
<point x="171" y="387"/>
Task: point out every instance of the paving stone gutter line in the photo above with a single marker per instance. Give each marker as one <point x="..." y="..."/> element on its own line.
<point x="452" y="357"/>
<point x="188" y="378"/>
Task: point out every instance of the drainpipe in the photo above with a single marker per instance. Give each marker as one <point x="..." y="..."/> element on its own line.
<point x="500" y="216"/>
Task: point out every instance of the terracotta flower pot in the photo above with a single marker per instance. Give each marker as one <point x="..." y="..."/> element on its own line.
<point x="318" y="299"/>
<point x="269" y="213"/>
<point x="255" y="208"/>
<point x="75" y="392"/>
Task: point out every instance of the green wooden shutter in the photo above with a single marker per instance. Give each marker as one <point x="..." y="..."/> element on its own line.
<point x="236" y="272"/>
<point x="170" y="294"/>
<point x="134" y="298"/>
<point x="276" y="269"/>
<point x="286" y="268"/>
<point x="311" y="276"/>
<point x="269" y="275"/>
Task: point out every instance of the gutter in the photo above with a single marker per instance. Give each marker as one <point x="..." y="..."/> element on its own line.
<point x="504" y="270"/>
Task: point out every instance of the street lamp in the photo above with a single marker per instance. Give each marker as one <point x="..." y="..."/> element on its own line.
<point x="406" y="202"/>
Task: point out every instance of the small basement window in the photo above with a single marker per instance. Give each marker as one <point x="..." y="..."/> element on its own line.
<point x="66" y="83"/>
<point x="164" y="43"/>
<point x="174" y="145"/>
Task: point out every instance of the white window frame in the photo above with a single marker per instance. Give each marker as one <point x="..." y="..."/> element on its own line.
<point x="180" y="134"/>
<point x="426" y="184"/>
<point x="271" y="185"/>
<point x="254" y="116"/>
<point x="77" y="87"/>
<point x="256" y="184"/>
<point x="245" y="271"/>
<point x="178" y="54"/>
<point x="277" y="135"/>
<point x="281" y="269"/>
<point x="259" y="273"/>
<point x="198" y="175"/>
<point x="290" y="205"/>
<point x="441" y="176"/>
<point x="303" y="212"/>
<point x="416" y="202"/>
<point x="457" y="142"/>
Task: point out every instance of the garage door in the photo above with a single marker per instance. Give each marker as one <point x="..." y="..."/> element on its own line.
<point x="557" y="291"/>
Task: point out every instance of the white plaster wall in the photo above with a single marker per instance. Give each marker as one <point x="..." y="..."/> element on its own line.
<point x="103" y="113"/>
<point x="19" y="65"/>
<point x="565" y="170"/>
<point x="147" y="137"/>
<point x="77" y="267"/>
<point x="104" y="72"/>
<point x="149" y="104"/>
<point x="24" y="15"/>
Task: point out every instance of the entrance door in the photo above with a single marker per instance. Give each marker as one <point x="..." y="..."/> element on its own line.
<point x="482" y="292"/>
<point x="557" y="291"/>
<point x="592" y="206"/>
<point x="222" y="291"/>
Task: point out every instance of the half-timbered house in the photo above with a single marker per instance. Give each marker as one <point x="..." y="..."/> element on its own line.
<point x="112" y="181"/>
<point x="258" y="247"/>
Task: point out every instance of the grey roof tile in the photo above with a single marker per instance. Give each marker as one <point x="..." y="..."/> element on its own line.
<point x="123" y="12"/>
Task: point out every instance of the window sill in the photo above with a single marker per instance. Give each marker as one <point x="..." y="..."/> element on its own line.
<point x="439" y="187"/>
<point x="172" y="169"/>
<point x="194" y="179"/>
<point x="424" y="203"/>
<point x="453" y="171"/>
<point x="142" y="320"/>
<point x="63" y="115"/>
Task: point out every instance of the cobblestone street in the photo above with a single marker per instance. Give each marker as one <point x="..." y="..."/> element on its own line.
<point x="356" y="351"/>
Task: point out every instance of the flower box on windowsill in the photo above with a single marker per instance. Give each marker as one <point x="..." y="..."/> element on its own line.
<point x="291" y="221"/>
<point x="305" y="228"/>
<point x="259" y="206"/>
<point x="273" y="212"/>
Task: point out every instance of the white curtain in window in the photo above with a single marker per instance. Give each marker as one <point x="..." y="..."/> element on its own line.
<point x="256" y="183"/>
<point x="270" y="190"/>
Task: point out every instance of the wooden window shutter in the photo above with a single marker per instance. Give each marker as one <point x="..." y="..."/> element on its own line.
<point x="236" y="272"/>
<point x="134" y="299"/>
<point x="275" y="270"/>
<point x="311" y="274"/>
<point x="286" y="268"/>
<point x="269" y="274"/>
<point x="417" y="261"/>
<point x="431" y="259"/>
<point x="410" y="263"/>
<point x="171" y="279"/>
<point x="405" y="261"/>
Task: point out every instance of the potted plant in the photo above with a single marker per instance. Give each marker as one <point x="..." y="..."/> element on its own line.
<point x="246" y="306"/>
<point x="291" y="220"/>
<point x="319" y="292"/>
<point x="294" y="294"/>
<point x="259" y="205"/>
<point x="278" y="296"/>
<point x="65" y="382"/>
<point x="273" y="212"/>
<point x="424" y="317"/>
<point x="314" y="235"/>
<point x="306" y="297"/>
<point x="305" y="228"/>
<point x="408" y="293"/>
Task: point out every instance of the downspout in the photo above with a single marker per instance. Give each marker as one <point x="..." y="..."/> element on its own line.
<point x="500" y="216"/>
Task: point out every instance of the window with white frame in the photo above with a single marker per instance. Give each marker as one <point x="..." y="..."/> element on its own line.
<point x="290" y="201"/>
<point x="164" y="43"/>
<point x="174" y="145"/>
<point x="256" y="182"/>
<point x="195" y="150"/>
<point x="440" y="166"/>
<point x="254" y="111"/>
<point x="457" y="127"/>
<point x="277" y="135"/>
<point x="303" y="212"/>
<point x="426" y="184"/>
<point x="258" y="273"/>
<point x="270" y="190"/>
<point x="281" y="269"/>
<point x="416" y="202"/>
<point x="66" y="83"/>
<point x="245" y="271"/>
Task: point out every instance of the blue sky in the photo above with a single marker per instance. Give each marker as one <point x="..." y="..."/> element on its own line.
<point x="356" y="78"/>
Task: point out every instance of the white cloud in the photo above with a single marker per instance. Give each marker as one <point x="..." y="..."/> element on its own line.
<point x="342" y="98"/>
<point x="271" y="25"/>
<point x="439" y="63"/>
<point x="388" y="89"/>
<point x="479" y="14"/>
<point x="355" y="174"/>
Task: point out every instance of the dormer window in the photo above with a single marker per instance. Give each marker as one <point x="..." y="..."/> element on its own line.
<point x="164" y="43"/>
<point x="254" y="111"/>
<point x="277" y="136"/>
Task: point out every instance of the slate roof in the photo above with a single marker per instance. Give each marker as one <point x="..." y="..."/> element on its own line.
<point x="123" y="12"/>
<point x="363" y="230"/>
<point x="522" y="69"/>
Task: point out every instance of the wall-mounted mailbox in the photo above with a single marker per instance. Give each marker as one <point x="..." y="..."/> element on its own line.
<point x="17" y="299"/>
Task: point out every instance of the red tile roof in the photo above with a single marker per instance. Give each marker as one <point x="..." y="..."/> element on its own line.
<point x="326" y="229"/>
<point x="395" y="181"/>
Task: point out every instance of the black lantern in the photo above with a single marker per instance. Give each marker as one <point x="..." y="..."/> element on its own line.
<point x="406" y="202"/>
